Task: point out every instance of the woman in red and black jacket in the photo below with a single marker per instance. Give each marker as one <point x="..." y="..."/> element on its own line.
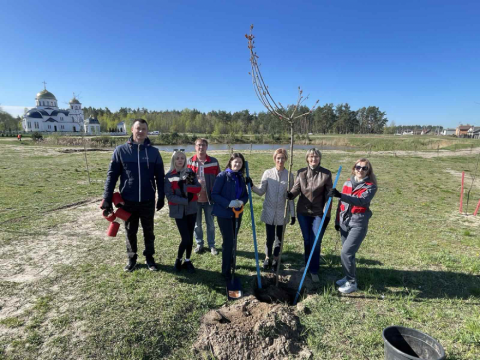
<point x="181" y="188"/>
<point x="353" y="214"/>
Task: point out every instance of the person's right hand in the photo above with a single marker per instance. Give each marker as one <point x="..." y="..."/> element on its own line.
<point x="289" y="195"/>
<point x="337" y="227"/>
<point x="234" y="204"/>
<point x="107" y="205"/>
<point x="334" y="193"/>
<point x="248" y="181"/>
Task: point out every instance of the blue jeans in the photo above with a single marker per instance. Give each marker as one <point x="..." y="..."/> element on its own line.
<point x="207" y="209"/>
<point x="306" y="225"/>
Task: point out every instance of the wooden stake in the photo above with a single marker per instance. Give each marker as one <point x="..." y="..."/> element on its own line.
<point x="476" y="209"/>
<point x="461" y="191"/>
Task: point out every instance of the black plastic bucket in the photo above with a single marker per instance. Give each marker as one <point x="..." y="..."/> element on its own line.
<point x="402" y="343"/>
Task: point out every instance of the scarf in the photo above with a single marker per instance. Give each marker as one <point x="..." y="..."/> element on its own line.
<point x="356" y="182"/>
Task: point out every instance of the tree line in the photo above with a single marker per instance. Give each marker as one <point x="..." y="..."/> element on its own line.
<point x="326" y="119"/>
<point x="339" y="119"/>
<point x="8" y="123"/>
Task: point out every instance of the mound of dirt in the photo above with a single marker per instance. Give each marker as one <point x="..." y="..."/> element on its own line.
<point x="250" y="329"/>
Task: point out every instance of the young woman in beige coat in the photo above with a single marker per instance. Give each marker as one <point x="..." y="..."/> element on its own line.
<point x="274" y="186"/>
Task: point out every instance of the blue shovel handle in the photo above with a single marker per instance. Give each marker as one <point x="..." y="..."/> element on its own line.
<point x="253" y="227"/>
<point x="316" y="238"/>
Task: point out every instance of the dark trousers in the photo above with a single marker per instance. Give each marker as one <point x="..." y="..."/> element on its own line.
<point x="141" y="212"/>
<point x="227" y="228"/>
<point x="306" y="225"/>
<point x="271" y="241"/>
<point x="186" y="226"/>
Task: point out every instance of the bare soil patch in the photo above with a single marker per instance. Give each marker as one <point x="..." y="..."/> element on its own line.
<point x="250" y="329"/>
<point x="259" y="326"/>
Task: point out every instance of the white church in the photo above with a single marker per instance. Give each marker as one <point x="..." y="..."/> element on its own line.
<point x="47" y="117"/>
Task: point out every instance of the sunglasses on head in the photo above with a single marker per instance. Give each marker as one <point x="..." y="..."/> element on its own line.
<point x="358" y="168"/>
<point x="182" y="150"/>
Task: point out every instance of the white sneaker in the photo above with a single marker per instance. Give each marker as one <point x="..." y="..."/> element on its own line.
<point x="348" y="287"/>
<point x="341" y="282"/>
<point x="315" y="278"/>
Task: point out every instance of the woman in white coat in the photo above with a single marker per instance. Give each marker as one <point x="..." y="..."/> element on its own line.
<point x="274" y="185"/>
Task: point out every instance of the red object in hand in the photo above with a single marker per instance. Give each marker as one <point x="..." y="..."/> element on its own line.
<point x="113" y="229"/>
<point x="109" y="216"/>
<point x="117" y="199"/>
<point x="122" y="214"/>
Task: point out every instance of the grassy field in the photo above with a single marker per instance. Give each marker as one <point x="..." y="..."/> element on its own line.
<point x="65" y="295"/>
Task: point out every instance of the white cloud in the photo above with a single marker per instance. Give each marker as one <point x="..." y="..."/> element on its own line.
<point x="14" y="110"/>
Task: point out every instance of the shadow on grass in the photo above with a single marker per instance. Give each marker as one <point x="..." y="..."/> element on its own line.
<point x="212" y="279"/>
<point x="423" y="284"/>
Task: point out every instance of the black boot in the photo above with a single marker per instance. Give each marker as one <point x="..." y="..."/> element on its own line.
<point x="178" y="265"/>
<point x="151" y="263"/>
<point x="132" y="263"/>
<point x="274" y="265"/>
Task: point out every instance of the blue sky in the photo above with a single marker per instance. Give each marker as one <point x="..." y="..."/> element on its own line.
<point x="419" y="61"/>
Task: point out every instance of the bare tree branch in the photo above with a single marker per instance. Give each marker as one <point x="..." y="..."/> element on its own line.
<point x="288" y="114"/>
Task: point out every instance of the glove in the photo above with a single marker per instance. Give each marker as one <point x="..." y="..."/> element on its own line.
<point x="190" y="178"/>
<point x="248" y="181"/>
<point x="292" y="221"/>
<point x="160" y="204"/>
<point x="289" y="195"/>
<point x="190" y="197"/>
<point x="334" y="193"/>
<point x="235" y="204"/>
<point x="337" y="227"/>
<point x="106" y="205"/>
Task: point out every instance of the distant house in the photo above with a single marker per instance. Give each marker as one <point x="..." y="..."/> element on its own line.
<point x="462" y="130"/>
<point x="121" y="127"/>
<point x="425" y="131"/>
<point x="407" y="132"/>
<point x="474" y="132"/>
<point x="92" y="126"/>
<point x="448" y="132"/>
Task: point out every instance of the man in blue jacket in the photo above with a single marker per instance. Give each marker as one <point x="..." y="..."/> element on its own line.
<point x="140" y="168"/>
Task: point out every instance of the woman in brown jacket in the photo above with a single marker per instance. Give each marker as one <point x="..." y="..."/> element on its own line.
<point x="312" y="184"/>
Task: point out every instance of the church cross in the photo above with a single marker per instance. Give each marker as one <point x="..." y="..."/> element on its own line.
<point x="44" y="85"/>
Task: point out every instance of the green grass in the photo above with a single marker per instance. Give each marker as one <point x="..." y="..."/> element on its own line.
<point x="418" y="267"/>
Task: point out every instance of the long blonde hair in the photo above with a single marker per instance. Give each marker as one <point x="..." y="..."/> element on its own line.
<point x="370" y="173"/>
<point x="172" y="163"/>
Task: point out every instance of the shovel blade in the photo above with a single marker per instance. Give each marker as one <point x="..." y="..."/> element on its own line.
<point x="234" y="289"/>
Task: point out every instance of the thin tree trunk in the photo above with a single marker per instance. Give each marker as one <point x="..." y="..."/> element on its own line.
<point x="286" y="205"/>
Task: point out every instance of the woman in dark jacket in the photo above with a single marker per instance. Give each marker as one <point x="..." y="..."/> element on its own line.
<point x="229" y="191"/>
<point x="353" y="214"/>
<point x="312" y="184"/>
<point x="181" y="188"/>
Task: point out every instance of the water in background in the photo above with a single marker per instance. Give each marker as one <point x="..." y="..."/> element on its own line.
<point x="243" y="147"/>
